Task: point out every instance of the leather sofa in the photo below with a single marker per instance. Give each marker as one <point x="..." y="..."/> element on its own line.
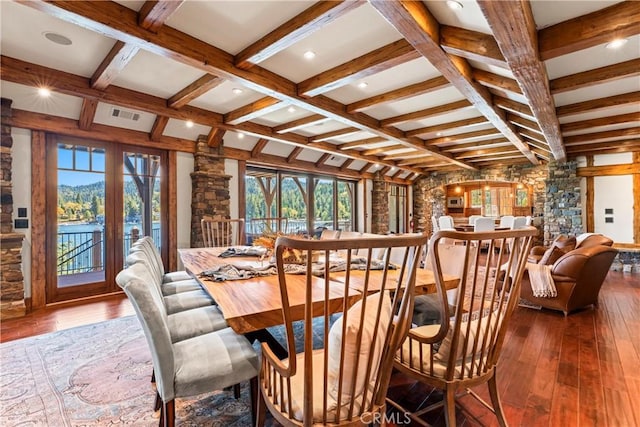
<point x="565" y="243"/>
<point x="578" y="276"/>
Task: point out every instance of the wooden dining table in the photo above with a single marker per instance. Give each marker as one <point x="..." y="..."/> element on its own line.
<point x="254" y="304"/>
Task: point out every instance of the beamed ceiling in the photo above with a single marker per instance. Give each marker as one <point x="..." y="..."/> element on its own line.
<point x="405" y="88"/>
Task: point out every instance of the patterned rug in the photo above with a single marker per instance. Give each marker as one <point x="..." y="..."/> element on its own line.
<point x="97" y="375"/>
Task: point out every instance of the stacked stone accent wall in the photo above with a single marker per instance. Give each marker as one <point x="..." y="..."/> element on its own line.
<point x="429" y="196"/>
<point x="379" y="206"/>
<point x="563" y="208"/>
<point x="12" y="303"/>
<point x="210" y="188"/>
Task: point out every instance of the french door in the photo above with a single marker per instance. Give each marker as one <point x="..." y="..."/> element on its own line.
<point x="101" y="197"/>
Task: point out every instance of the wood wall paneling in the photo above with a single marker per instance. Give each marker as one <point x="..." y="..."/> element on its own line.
<point x="172" y="207"/>
<point x="38" y="216"/>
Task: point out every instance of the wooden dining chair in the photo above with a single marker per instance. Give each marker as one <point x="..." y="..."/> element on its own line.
<point x="463" y="350"/>
<point x="272" y="225"/>
<point x="342" y="374"/>
<point x="222" y="233"/>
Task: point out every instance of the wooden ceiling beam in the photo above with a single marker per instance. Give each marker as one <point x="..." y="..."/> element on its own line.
<point x="606" y="147"/>
<point x="181" y="47"/>
<point x="87" y="113"/>
<point x="414" y="21"/>
<point x="153" y="14"/>
<point x="518" y="44"/>
<point x="112" y="65"/>
<point x="251" y="111"/>
<point x="385" y="170"/>
<point x="420" y="162"/>
<point x="301" y="123"/>
<point x="334" y="134"/>
<point x="490" y="143"/>
<point x="322" y="160"/>
<point x="521" y="122"/>
<point x="64" y="126"/>
<point x="486" y="152"/>
<point x="410" y="91"/>
<point x="603" y="136"/>
<point x="471" y="45"/>
<point x="620" y="20"/>
<point x="447" y="126"/>
<point x="409" y="155"/>
<point x="345" y="165"/>
<point x="199" y="87"/>
<point x="536" y="144"/>
<point x="257" y="149"/>
<point x="602" y="121"/>
<point x="513" y="107"/>
<point x="158" y="127"/>
<point x="215" y="137"/>
<point x="292" y="156"/>
<point x="596" y="76"/>
<point x="496" y="81"/>
<point x="297" y="28"/>
<point x="598" y="104"/>
<point x="374" y="62"/>
<point x="428" y="112"/>
<point x="460" y="137"/>
<point x="536" y="136"/>
<point x="375" y="151"/>
<point x="362" y="143"/>
<point x="495" y="157"/>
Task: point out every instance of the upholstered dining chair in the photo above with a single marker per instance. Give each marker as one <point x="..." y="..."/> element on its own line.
<point x="472" y="219"/>
<point x="463" y="350"/>
<point x="218" y="233"/>
<point x="342" y="374"/>
<point x="147" y="245"/>
<point x="204" y="363"/>
<point x="445" y="222"/>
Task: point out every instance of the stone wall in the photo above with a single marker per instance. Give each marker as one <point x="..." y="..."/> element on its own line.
<point x="379" y="206"/>
<point x="562" y="208"/>
<point x="12" y="301"/>
<point x="210" y="188"/>
<point x="429" y="195"/>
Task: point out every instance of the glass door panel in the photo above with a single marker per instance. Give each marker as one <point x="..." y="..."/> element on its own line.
<point x="323" y="192"/>
<point x="293" y="200"/>
<point x="81" y="190"/>
<point x="346" y="205"/>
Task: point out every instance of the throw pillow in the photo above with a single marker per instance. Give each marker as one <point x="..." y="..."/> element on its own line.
<point x="351" y="349"/>
<point x="566" y="244"/>
<point x="551" y="255"/>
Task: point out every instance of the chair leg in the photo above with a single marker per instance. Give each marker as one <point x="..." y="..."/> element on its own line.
<point x="153" y="376"/>
<point x="260" y="407"/>
<point x="158" y="403"/>
<point x="236" y="391"/>
<point x="495" y="400"/>
<point x="168" y="414"/>
<point x="253" y="396"/>
<point x="450" y="407"/>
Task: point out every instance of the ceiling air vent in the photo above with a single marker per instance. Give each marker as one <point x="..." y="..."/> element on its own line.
<point x="125" y="114"/>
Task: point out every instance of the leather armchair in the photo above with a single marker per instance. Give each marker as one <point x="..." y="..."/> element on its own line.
<point x="578" y="276"/>
<point x="584" y="240"/>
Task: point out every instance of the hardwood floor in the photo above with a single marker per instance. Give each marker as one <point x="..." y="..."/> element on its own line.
<point x="580" y="370"/>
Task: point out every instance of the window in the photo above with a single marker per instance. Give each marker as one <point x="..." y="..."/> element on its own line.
<point x="308" y="202"/>
<point x="397" y="208"/>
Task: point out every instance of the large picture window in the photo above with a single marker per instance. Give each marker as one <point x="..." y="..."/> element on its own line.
<point x="308" y="203"/>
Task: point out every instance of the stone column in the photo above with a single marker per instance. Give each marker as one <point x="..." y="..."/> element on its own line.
<point x="562" y="207"/>
<point x="210" y="188"/>
<point x="12" y="303"/>
<point x="379" y="206"/>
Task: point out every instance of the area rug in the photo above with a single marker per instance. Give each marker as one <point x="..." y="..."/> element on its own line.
<point x="97" y="375"/>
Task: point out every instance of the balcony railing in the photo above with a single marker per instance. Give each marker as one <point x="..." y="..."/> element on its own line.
<point x="83" y="252"/>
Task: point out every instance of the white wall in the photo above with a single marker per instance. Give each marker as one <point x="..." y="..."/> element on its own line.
<point x="21" y="183"/>
<point x="364" y="221"/>
<point x="614" y="192"/>
<point x="612" y="159"/>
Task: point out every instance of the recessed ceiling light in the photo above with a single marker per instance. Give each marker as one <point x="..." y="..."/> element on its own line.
<point x="291" y="109"/>
<point x="438" y="133"/>
<point x="189" y="123"/>
<point x="393" y="169"/>
<point x="240" y="135"/>
<point x="57" y="38"/>
<point x="362" y="85"/>
<point x="376" y="165"/>
<point x="44" y="92"/>
<point x="309" y="54"/>
<point x="616" y="44"/>
<point x="454" y="5"/>
<point x="236" y="90"/>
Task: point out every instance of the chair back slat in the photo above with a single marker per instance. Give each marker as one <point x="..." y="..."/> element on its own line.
<point x="348" y="347"/>
<point x="218" y="233"/>
<point x="467" y="345"/>
<point x="269" y="225"/>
